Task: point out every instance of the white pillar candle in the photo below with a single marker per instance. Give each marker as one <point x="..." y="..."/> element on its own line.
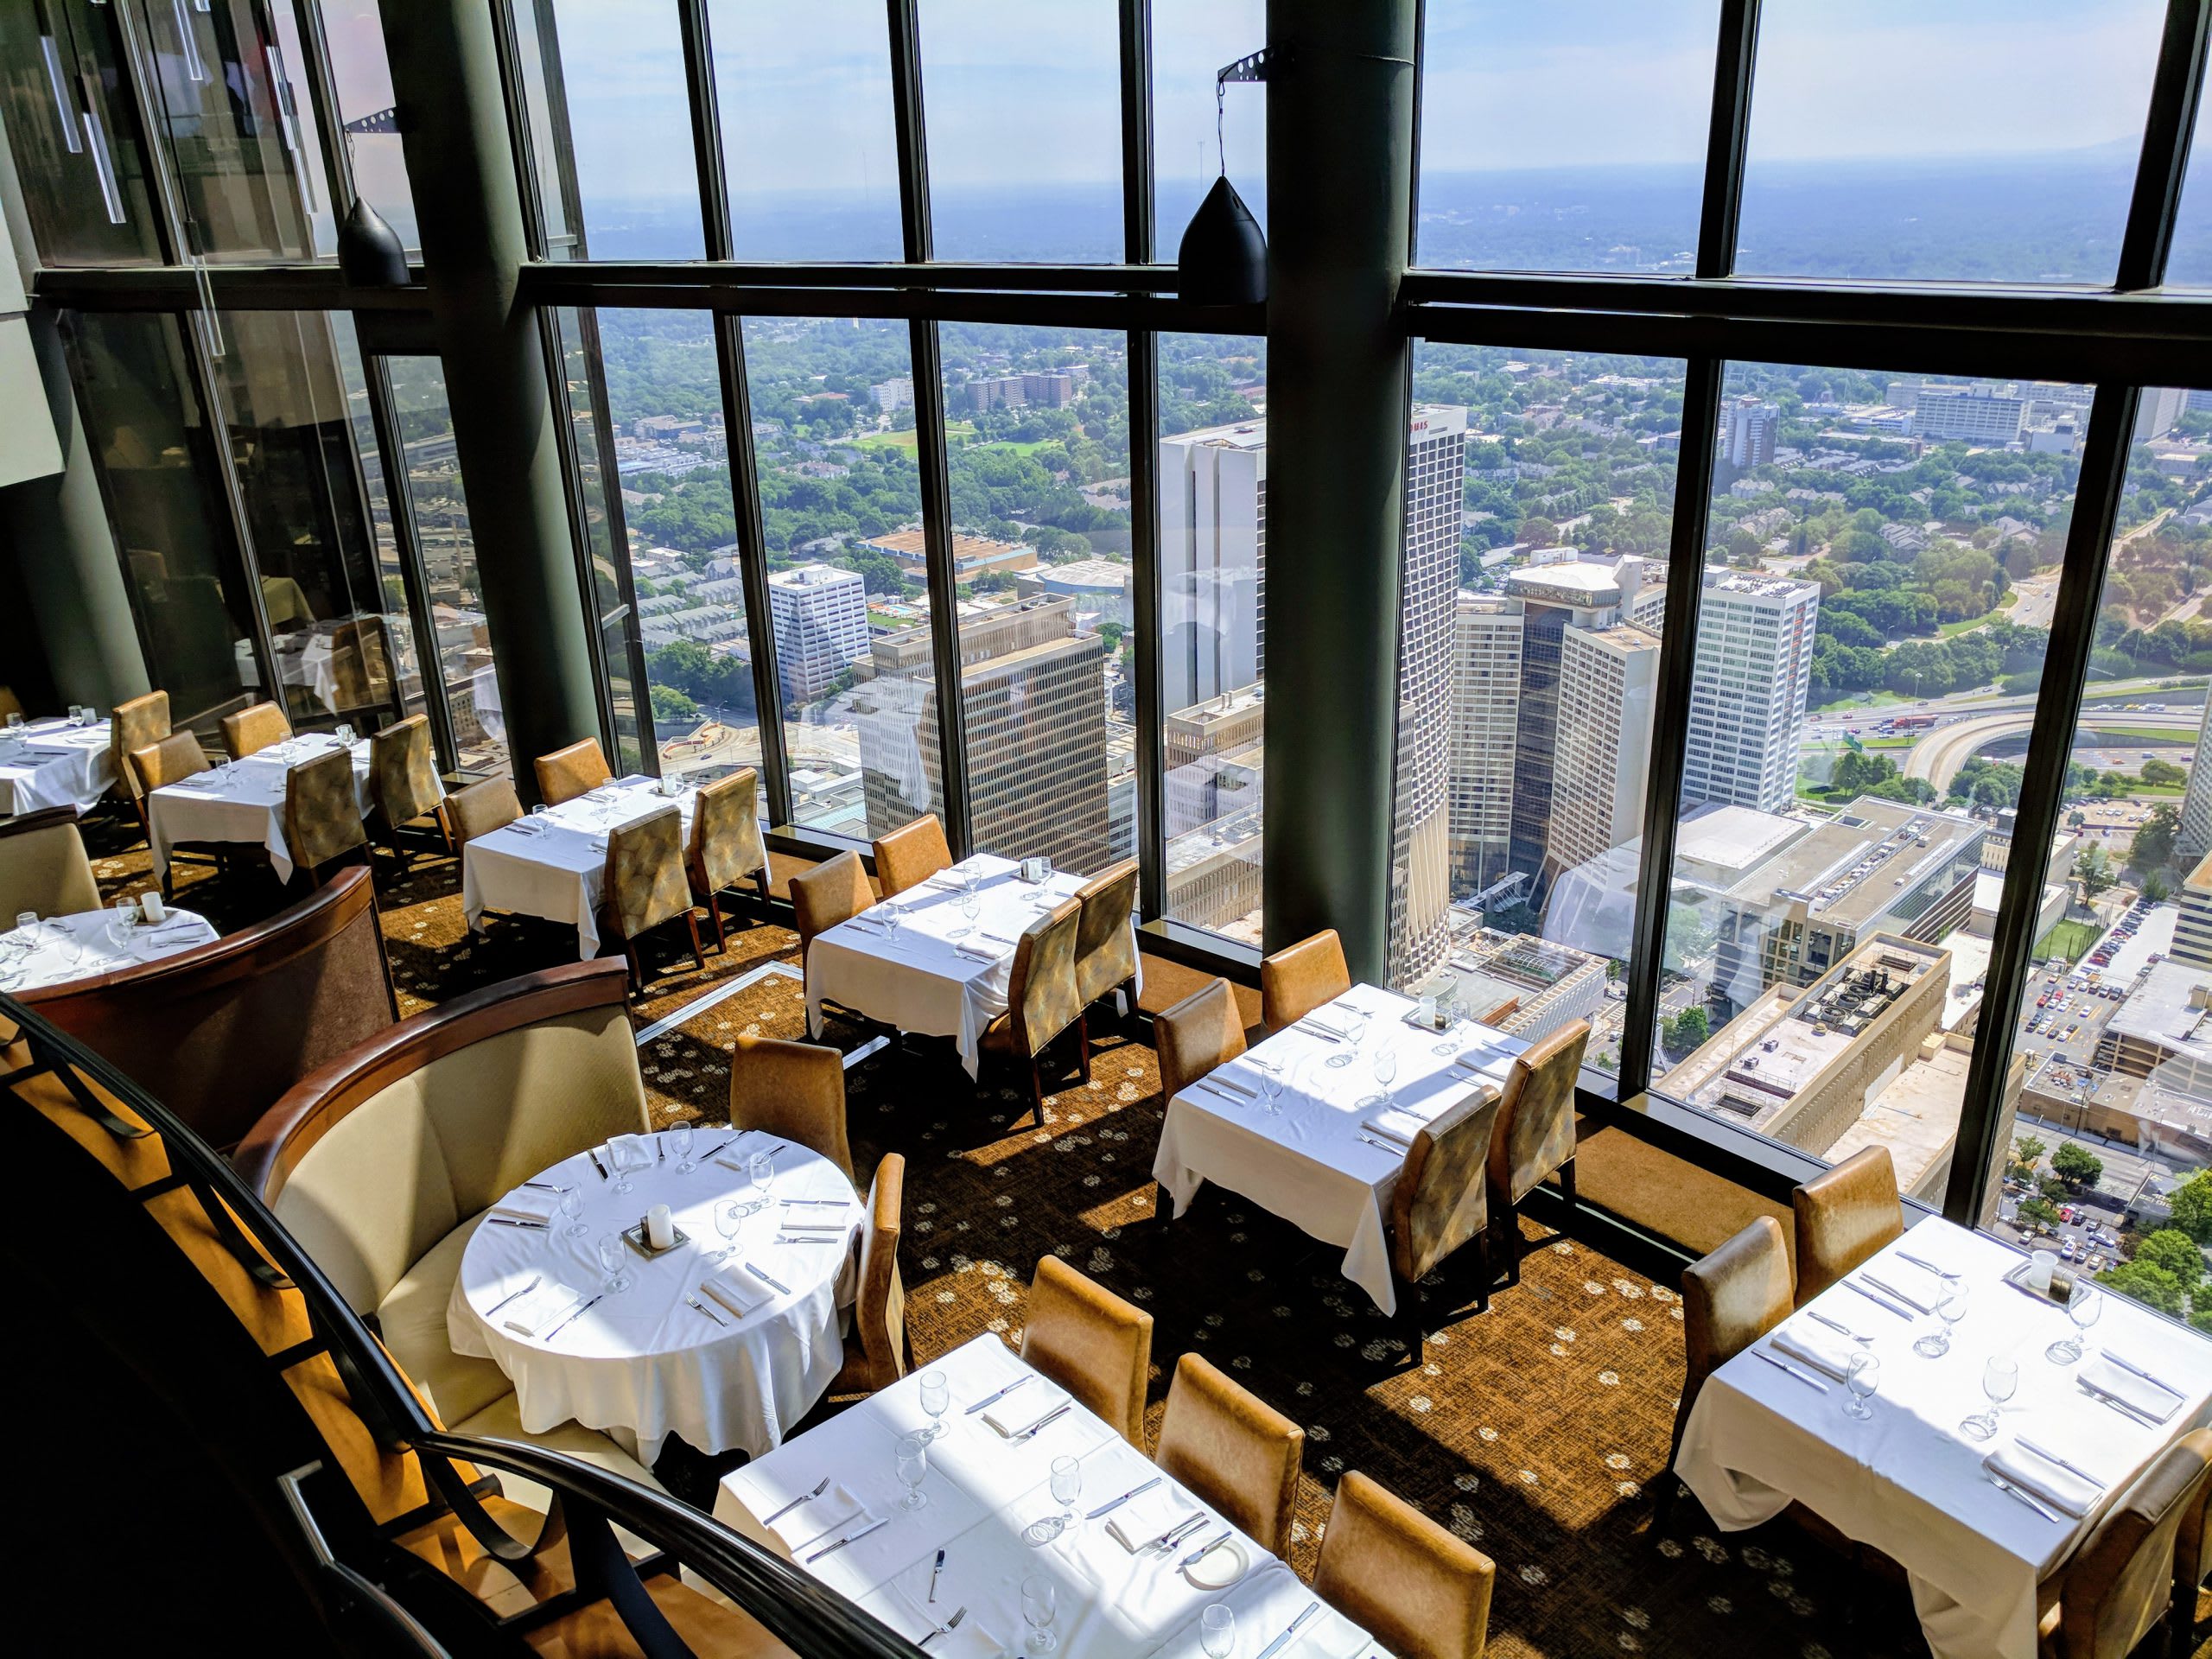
<point x="660" y="1230"/>
<point x="2042" y="1263"/>
<point x="150" y="904"/>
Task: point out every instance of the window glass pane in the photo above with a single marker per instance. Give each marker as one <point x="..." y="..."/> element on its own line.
<point x="552" y="168"/>
<point x="78" y="152"/>
<point x="441" y="532"/>
<point x="1037" y="420"/>
<point x="1564" y="137"/>
<point x="2026" y="180"/>
<point x="833" y="433"/>
<point x="229" y="102"/>
<point x="2190" y="261"/>
<point x="1882" y="560"/>
<point x="614" y="79"/>
<point x="805" y="99"/>
<point x="612" y="613"/>
<point x="337" y="618"/>
<point x="1192" y="40"/>
<point x="2111" y="1140"/>
<point x="1213" y="533"/>
<point x="354" y="34"/>
<point x="157" y="469"/>
<point x="665" y="403"/>
<point x="989" y="74"/>
<point x="1540" y="500"/>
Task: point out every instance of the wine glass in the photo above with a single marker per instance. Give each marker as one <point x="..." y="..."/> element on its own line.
<point x="937" y="1395"/>
<point x="623" y="1155"/>
<point x="1039" y="1603"/>
<point x="1384" y="1062"/>
<point x="679" y="1142"/>
<point x="1067" y="1486"/>
<point x="1861" y="1376"/>
<point x="1950" y="1307"/>
<point x="972" y="906"/>
<point x="1270" y="1084"/>
<point x="893" y="914"/>
<point x="2083" y="1307"/>
<point x="1355" y="1030"/>
<point x="572" y="1206"/>
<point x="913" y="1463"/>
<point x="345" y="734"/>
<point x="729" y="1216"/>
<point x="760" y="1175"/>
<point x="1217" y="1631"/>
<point x="2000" y="1378"/>
<point x="125" y="918"/>
<point x="610" y="1248"/>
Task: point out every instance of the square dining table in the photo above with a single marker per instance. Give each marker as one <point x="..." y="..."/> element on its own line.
<point x="1316" y="1162"/>
<point x="1907" y="1479"/>
<point x="243" y="801"/>
<point x="553" y="864"/>
<point x="47" y="763"/>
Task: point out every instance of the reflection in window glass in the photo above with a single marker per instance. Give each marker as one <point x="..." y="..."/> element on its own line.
<point x="671" y="452"/>
<point x="1213" y="531"/>
<point x="1037" y="420"/>
<point x="990" y="74"/>
<point x="362" y="75"/>
<point x="2191" y="261"/>
<point x="611" y="74"/>
<point x="2113" y="1119"/>
<point x="1540" y="500"/>
<point x="78" y="153"/>
<point x="156" y="466"/>
<point x="833" y="432"/>
<point x="440" y="510"/>
<point x="596" y="462"/>
<point x="2027" y="179"/>
<point x="1192" y="40"/>
<point x="1881" y="564"/>
<point x="338" y="620"/>
<point x="805" y="103"/>
<point x="1564" y="137"/>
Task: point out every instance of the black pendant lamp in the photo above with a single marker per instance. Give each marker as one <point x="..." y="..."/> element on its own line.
<point x="370" y="252"/>
<point x="1222" y="259"/>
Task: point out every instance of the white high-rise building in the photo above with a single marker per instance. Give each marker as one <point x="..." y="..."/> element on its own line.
<point x="1606" y="680"/>
<point x="1213" y="538"/>
<point x="2160" y="408"/>
<point x="819" y="614"/>
<point x="2196" y="838"/>
<point x="1975" y="414"/>
<point x="1752" y="431"/>
<point x="1485" y="722"/>
<point x="1747" y="690"/>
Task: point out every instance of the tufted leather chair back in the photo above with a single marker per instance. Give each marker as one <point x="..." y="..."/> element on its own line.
<point x="404" y="771"/>
<point x="1731" y="1299"/>
<point x="322" y="811"/>
<point x="176" y="757"/>
<point x="136" y="723"/>
<point x="2120" y="1581"/>
<point x="880" y="1315"/>
<point x="1105" y="951"/>
<point x="1442" y="1198"/>
<point x="253" y="729"/>
<point x="727" y="846"/>
<point x="1040" y="989"/>
<point x="834" y="891"/>
<point x="488" y="804"/>
<point x="645" y="884"/>
<point x="1535" y="1124"/>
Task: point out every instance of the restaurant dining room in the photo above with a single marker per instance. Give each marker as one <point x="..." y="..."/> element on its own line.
<point x="718" y="934"/>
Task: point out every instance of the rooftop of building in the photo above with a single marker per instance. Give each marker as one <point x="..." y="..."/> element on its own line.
<point x="1721" y="842"/>
<point x="1578" y="577"/>
<point x="1623" y="636"/>
<point x="1916" y="1117"/>
<point x="814" y="576"/>
<point x="1227" y="706"/>
<point x="1754" y="584"/>
<point x="2198" y="881"/>
<point x="2168" y="1006"/>
<point x="1085" y="573"/>
<point x="910" y="545"/>
<point x="1850" y="869"/>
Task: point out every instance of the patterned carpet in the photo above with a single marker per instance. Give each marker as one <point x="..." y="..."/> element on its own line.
<point x="1529" y="1430"/>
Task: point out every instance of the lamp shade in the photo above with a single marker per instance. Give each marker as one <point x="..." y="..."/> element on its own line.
<point x="1223" y="258"/>
<point x="370" y="252"/>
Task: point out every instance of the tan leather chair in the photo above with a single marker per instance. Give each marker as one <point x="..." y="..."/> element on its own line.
<point x="1042" y="1000"/>
<point x="176" y="757"/>
<point x="1105" y="949"/>
<point x="1202" y="1030"/>
<point x="1730" y="1299"/>
<point x="793" y="1090"/>
<point x="911" y="854"/>
<point x="834" y="891"/>
<point x="1299" y="978"/>
<point x="1091" y="1342"/>
<point x="875" y="1350"/>
<point x="44" y="867"/>
<point x="1233" y="1449"/>
<point x="1843" y="1218"/>
<point x="644" y="886"/>
<point x="2118" y="1585"/>
<point x="727" y="846"/>
<point x="322" y="813"/>
<point x="1421" y="1593"/>
<point x="10" y="703"/>
<point x="1442" y="1201"/>
<point x="404" y="781"/>
<point x="1535" y="1132"/>
<point x="566" y="774"/>
<point x="2192" y="1564"/>
<point x="488" y="804"/>
<point x="136" y="723"/>
<point x="254" y="728"/>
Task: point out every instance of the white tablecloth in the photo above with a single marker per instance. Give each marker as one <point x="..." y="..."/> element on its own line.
<point x="1308" y="1163"/>
<point x="243" y="801"/>
<point x="47" y="763"/>
<point x="921" y="979"/>
<point x="553" y="863"/>
<point x="1906" y="1481"/>
<point x="83" y="946"/>
<point x="644" y="1362"/>
<point x="981" y="1490"/>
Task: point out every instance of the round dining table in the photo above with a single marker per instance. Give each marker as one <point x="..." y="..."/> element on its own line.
<point x="664" y="1356"/>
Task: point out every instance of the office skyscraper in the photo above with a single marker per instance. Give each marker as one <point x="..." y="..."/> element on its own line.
<point x="1485" y="717"/>
<point x="1751" y="429"/>
<point x="2196" y="838"/>
<point x="820" y="615"/>
<point x="1213" y="537"/>
<point x="1748" y="689"/>
<point x="1606" y="677"/>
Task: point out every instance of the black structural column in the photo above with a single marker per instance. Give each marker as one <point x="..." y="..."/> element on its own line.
<point x="453" y="121"/>
<point x="1340" y="145"/>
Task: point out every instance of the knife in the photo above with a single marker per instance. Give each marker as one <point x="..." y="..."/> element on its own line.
<point x="1835" y="1325"/>
<point x="2011" y="1490"/>
<point x="1112" y="1504"/>
<point x="509" y="1220"/>
<point x="765" y="1280"/>
<point x="1882" y="1302"/>
<point x="2129" y="1365"/>
<point x="525" y="1291"/>
<point x="591" y="1154"/>
<point x="1228" y="1083"/>
<point x="1925" y="1265"/>
<point x="1206" y="1548"/>
<point x="571" y="1320"/>
<point x="1296" y="1624"/>
<point x="724" y="1147"/>
<point x="1316" y="1031"/>
<point x="1042" y="1423"/>
<point x="1175" y="1535"/>
<point x="936" y="1569"/>
<point x="850" y="1537"/>
<point x="993" y="1398"/>
<point x="2051" y="1456"/>
<point x="1806" y="1377"/>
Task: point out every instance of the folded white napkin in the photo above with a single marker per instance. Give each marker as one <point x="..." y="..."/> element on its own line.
<point x="1149" y="1516"/>
<point x="810" y="1521"/>
<point x="1809" y="1345"/>
<point x="2062" y="1491"/>
<point x="979" y="953"/>
<point x="1483" y="1060"/>
<point x="528" y="1203"/>
<point x="1906" y="1284"/>
<point x="542" y="1309"/>
<point x="1022" y="1408"/>
<point x="643" y="1148"/>
<point x="2149" y="1398"/>
<point x="1396" y="1123"/>
<point x="737" y="1289"/>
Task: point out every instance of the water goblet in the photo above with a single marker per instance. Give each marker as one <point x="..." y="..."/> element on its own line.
<point x="913" y="1464"/>
<point x="610" y="1248"/>
<point x="1217" y="1631"/>
<point x="1270" y="1085"/>
<point x="572" y="1207"/>
<point x="1950" y="1307"/>
<point x="1355" y="1030"/>
<point x="1384" y="1062"/>
<point x="760" y="1175"/>
<point x="125" y="918"/>
<point x="893" y="914"/>
<point x="679" y="1142"/>
<point x="2083" y="1307"/>
<point x="345" y="734"/>
<point x="972" y="906"/>
<point x="936" y="1396"/>
<point x="1067" y="1486"/>
<point x="2000" y="1378"/>
<point x="1861" y="1376"/>
<point x="729" y="1216"/>
<point x="623" y="1157"/>
<point x="1039" y="1603"/>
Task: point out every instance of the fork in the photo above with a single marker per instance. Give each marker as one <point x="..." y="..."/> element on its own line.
<point x="952" y="1623"/>
<point x="821" y="1486"/>
<point x="694" y="1301"/>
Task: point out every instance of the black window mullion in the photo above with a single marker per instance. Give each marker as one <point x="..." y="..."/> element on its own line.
<point x="1728" y="139"/>
<point x="398" y="497"/>
<point x="618" y="538"/>
<point x="706" y="127"/>
<point x="509" y="44"/>
<point x="134" y="62"/>
<point x="329" y="121"/>
<point x="1144" y="621"/>
<point x="1137" y="228"/>
<point x="2043" y="792"/>
<point x="2175" y="87"/>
